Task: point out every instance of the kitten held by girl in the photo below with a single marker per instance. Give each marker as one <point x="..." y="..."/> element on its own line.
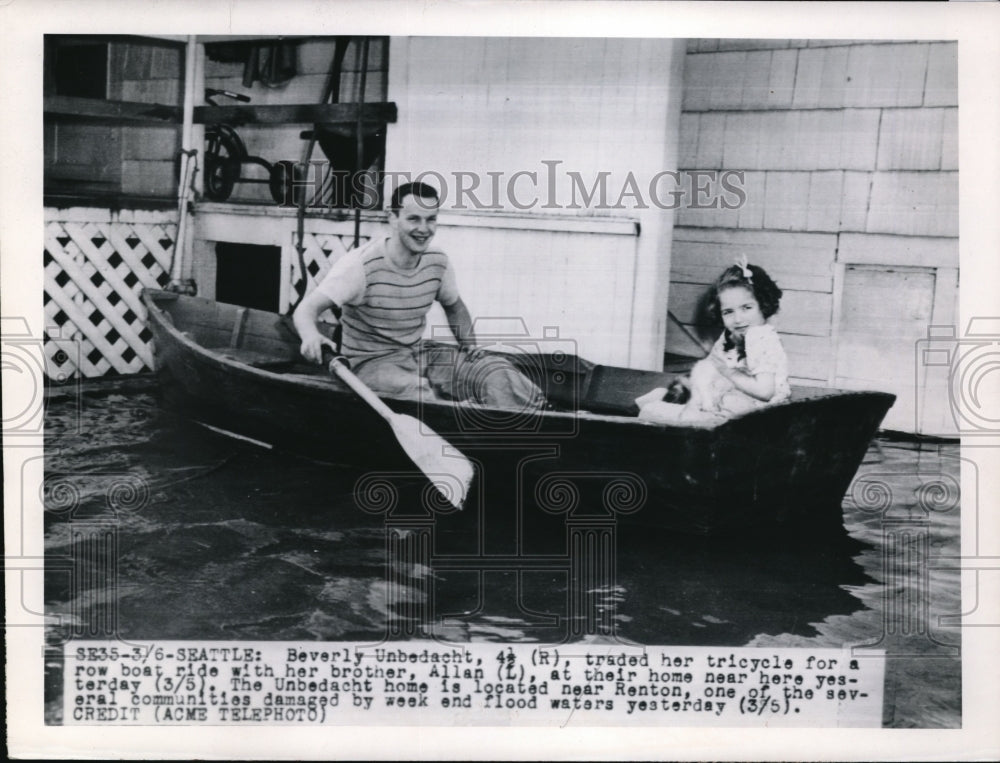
<point x="747" y="367"/>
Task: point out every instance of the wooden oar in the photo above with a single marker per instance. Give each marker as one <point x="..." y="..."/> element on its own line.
<point x="425" y="447"/>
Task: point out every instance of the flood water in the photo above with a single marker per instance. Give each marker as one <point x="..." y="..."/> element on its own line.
<point x="214" y="538"/>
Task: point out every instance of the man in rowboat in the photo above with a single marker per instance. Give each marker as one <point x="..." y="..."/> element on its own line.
<point x="381" y="294"/>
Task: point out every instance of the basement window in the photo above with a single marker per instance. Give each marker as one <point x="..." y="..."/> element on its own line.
<point x="248" y="275"/>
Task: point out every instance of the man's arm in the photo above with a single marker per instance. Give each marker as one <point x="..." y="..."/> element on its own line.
<point x="343" y="285"/>
<point x="460" y="323"/>
<point x="306" y="319"/>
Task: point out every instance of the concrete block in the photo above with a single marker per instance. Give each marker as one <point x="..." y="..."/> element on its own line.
<point x="711" y="138"/>
<point x="824" y="201"/>
<point x="886" y="75"/>
<point x="786" y="200"/>
<point x="941" y="88"/>
<point x="910" y="139"/>
<point x="820" y="78"/>
<point x="134" y="61"/>
<point x="914" y="203"/>
<point x="150" y="143"/>
<point x="163" y="91"/>
<point x="854" y="201"/>
<point x="148" y="178"/>
<point x="687" y="144"/>
<point x="166" y="62"/>
<point x="949" y="140"/>
<point x="828" y="43"/>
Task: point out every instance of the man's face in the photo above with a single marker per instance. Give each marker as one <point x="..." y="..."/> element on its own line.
<point x="415" y="223"/>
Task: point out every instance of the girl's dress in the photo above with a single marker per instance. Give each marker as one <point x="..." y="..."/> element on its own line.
<point x="764" y="354"/>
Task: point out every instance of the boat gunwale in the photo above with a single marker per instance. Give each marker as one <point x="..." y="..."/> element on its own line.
<point x="320" y="384"/>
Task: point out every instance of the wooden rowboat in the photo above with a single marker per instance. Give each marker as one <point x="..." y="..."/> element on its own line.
<point x="587" y="459"/>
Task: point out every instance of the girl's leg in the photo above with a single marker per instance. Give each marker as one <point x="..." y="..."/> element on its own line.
<point x="653" y="396"/>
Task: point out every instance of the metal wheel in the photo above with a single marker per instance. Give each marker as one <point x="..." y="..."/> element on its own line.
<point x="224" y="154"/>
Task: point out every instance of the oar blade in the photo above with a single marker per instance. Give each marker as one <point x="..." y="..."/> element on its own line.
<point x="451" y="474"/>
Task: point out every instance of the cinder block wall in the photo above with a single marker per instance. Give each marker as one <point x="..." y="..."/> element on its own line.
<point x="148" y="74"/>
<point x="141" y="159"/>
<point x="850" y="155"/>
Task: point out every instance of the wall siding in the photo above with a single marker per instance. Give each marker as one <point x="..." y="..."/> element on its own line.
<point x="850" y="154"/>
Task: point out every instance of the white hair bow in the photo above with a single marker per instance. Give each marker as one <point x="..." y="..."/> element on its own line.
<point x="745" y="267"/>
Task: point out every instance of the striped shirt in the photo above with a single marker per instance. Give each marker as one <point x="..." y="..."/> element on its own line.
<point x="384" y="306"/>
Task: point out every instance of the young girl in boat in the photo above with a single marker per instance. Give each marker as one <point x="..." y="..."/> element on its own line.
<point x="746" y="368"/>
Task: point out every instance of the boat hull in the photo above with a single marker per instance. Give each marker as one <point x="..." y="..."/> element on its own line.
<point x="787" y="465"/>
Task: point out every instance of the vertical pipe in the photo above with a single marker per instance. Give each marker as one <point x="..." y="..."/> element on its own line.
<point x="189" y="92"/>
<point x="359" y="138"/>
<point x="177" y="265"/>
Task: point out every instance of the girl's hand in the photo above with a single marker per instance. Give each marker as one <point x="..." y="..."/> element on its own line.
<point x="721" y="366"/>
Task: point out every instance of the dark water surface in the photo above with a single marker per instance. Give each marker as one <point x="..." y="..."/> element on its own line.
<point x="214" y="538"/>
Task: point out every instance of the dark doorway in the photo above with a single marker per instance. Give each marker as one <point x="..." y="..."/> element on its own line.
<point x="248" y="275"/>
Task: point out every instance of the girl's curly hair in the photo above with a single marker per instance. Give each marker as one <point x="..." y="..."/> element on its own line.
<point x="760" y="284"/>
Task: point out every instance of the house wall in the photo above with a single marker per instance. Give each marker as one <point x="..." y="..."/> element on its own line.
<point x="850" y="154"/>
<point x="592" y="276"/>
<point x="497" y="107"/>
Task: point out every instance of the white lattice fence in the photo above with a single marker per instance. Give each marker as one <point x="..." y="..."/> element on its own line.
<point x="321" y="251"/>
<point x="94" y="272"/>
